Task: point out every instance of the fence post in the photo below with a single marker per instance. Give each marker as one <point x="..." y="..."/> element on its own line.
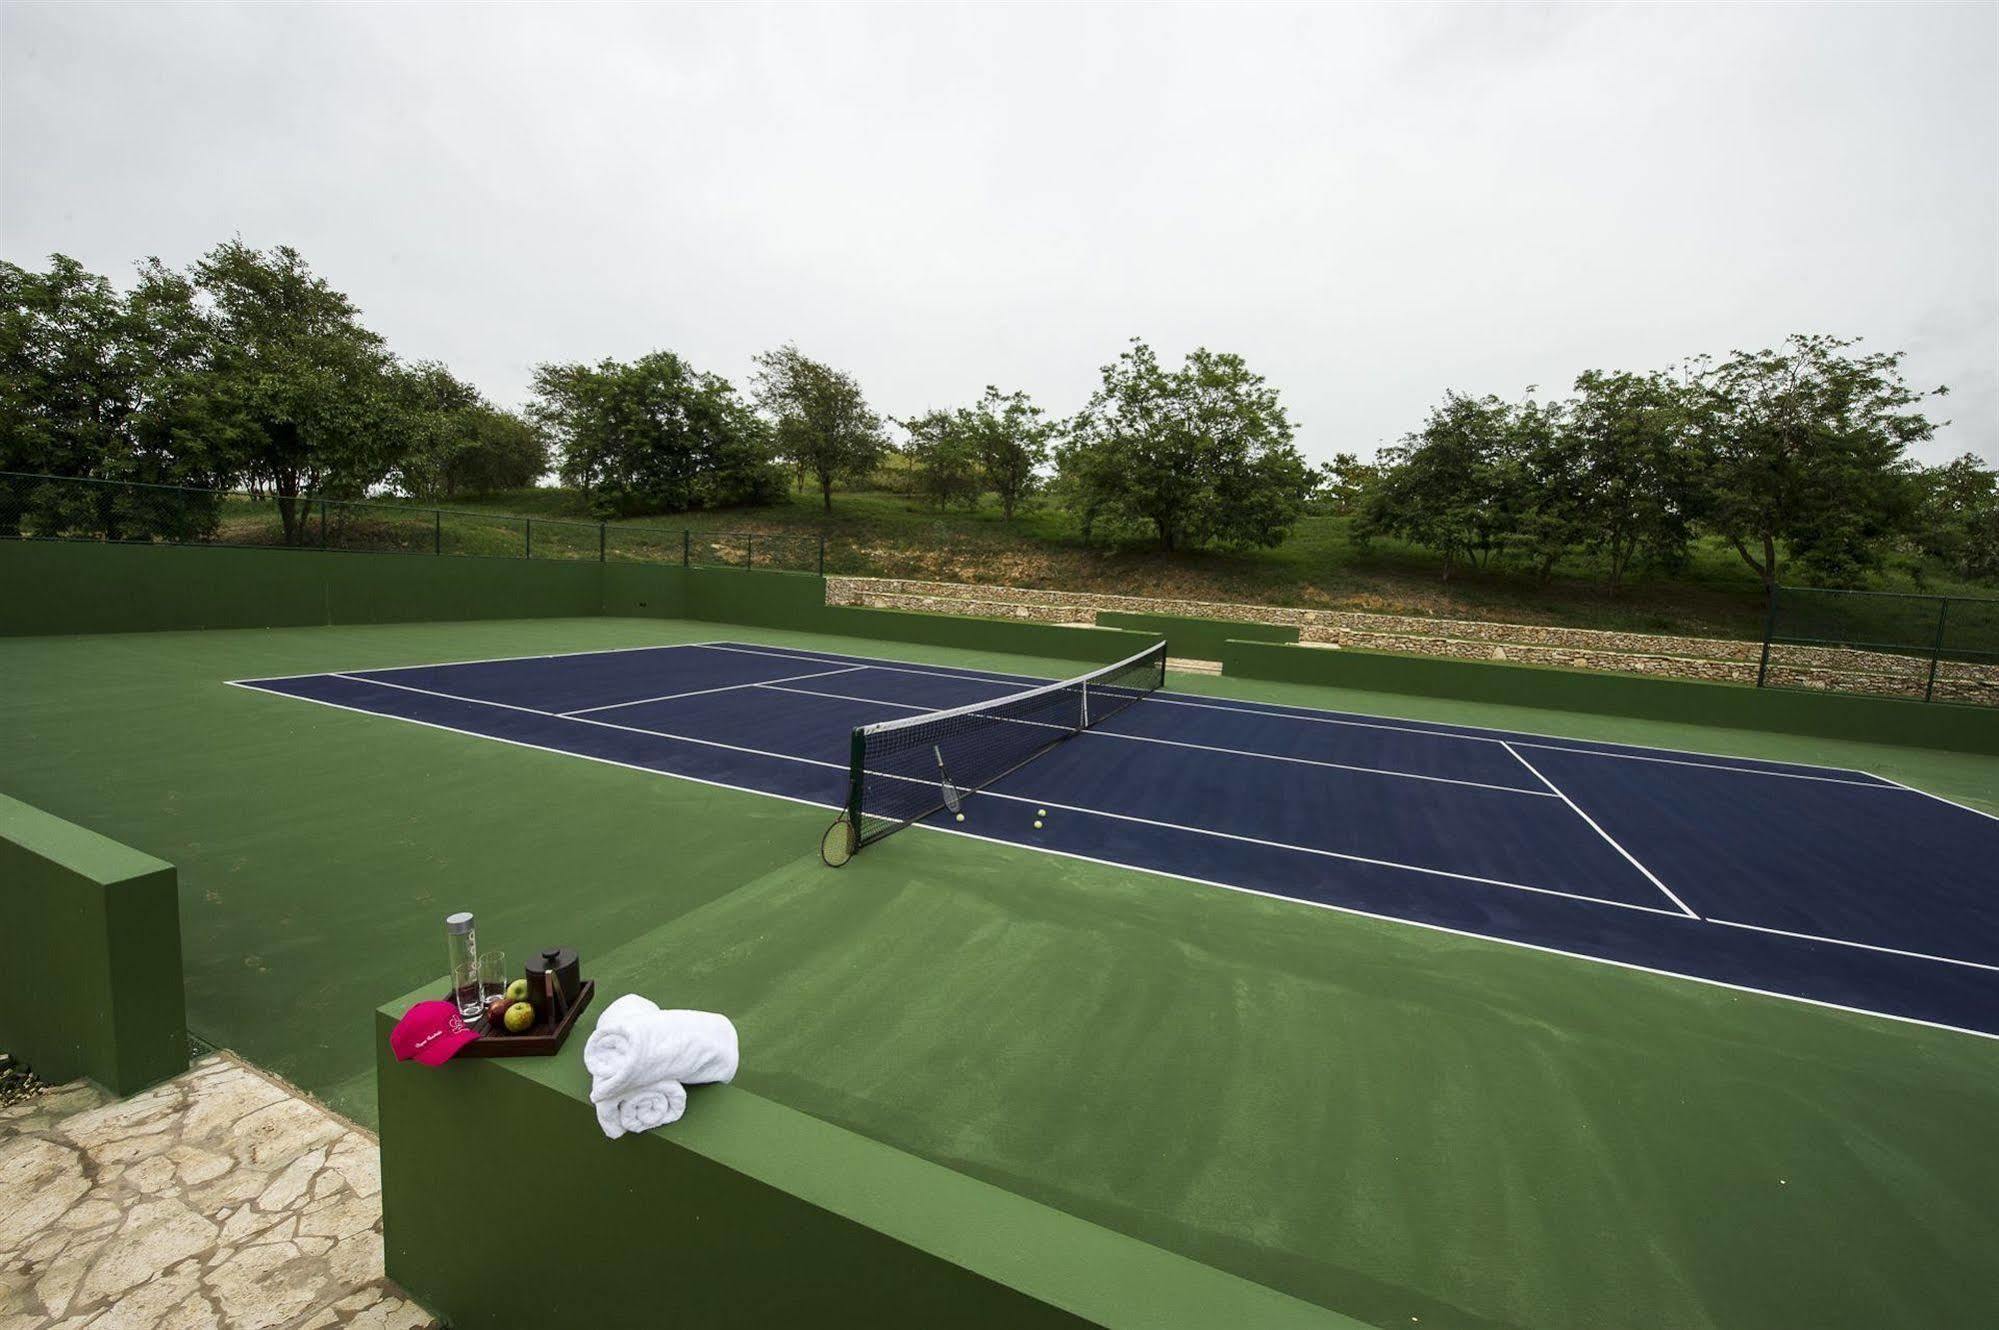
<point x="822" y="554"/>
<point x="749" y="551"/>
<point x="600" y="540"/>
<point x="528" y="523"/>
<point x="437" y="539"/>
<point x="322" y="524"/>
<point x="1936" y="650"/>
<point x="686" y="548"/>
<point x="1769" y="628"/>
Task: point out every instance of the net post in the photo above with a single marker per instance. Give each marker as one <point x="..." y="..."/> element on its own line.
<point x="857" y="765"/>
<point x="1936" y="648"/>
<point x="1769" y="628"/>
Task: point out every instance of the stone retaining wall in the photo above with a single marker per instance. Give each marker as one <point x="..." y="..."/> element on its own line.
<point x="1729" y="660"/>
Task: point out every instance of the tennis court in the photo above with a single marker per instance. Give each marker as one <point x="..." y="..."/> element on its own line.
<point x="1827" y="885"/>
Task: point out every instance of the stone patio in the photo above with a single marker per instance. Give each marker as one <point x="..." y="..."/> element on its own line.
<point x="220" y="1200"/>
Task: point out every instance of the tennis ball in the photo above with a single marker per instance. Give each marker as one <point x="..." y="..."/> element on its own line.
<point x="1037" y="824"/>
<point x="520" y="1017"/>
<point x="1041" y="812"/>
<point x="961" y="817"/>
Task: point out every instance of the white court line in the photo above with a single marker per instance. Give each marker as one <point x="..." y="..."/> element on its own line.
<point x="1940" y="799"/>
<point x="1200" y="748"/>
<point x="703" y="692"/>
<point x="1015" y="798"/>
<point x="1469" y="734"/>
<point x="1629" y="857"/>
<point x="1864" y="946"/>
<point x="1349" y="910"/>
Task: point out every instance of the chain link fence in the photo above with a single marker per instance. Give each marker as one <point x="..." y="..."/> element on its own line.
<point x="1888" y="643"/>
<point x="128" y="512"/>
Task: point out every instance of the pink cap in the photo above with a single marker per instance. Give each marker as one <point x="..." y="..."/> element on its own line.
<point x="430" y="1032"/>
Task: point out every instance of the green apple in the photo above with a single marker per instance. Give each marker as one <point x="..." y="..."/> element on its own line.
<point x="517" y="991"/>
<point x="520" y="1017"/>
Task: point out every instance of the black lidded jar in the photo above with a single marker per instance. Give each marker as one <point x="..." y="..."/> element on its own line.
<point x="568" y="971"/>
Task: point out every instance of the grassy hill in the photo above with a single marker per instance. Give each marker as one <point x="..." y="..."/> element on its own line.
<point x="883" y="534"/>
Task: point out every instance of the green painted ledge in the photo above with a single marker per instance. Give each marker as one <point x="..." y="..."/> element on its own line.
<point x="93" y="938"/>
<point x="745" y="1212"/>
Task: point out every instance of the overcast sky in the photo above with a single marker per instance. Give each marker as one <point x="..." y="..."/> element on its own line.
<point x="1373" y="205"/>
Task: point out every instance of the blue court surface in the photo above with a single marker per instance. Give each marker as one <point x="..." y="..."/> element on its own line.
<point x="1814" y="883"/>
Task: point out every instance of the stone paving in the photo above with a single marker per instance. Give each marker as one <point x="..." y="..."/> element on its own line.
<point x="219" y="1200"/>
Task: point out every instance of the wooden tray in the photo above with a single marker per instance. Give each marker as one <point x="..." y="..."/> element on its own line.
<point x="539" y="1042"/>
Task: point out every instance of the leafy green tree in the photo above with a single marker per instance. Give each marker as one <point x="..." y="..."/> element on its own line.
<point x="823" y="425"/>
<point x="1201" y="454"/>
<point x="312" y="402"/>
<point x="441" y="407"/>
<point x="501" y="451"/>
<point x="1340" y="485"/>
<point x="1442" y="487"/>
<point x="1803" y="448"/>
<point x="1957" y="516"/>
<point x="1541" y="487"/>
<point x="944" y="459"/>
<point x="1638" y="473"/>
<point x="655" y="435"/>
<point x="97" y="385"/>
<point x="1010" y="436"/>
<point x="67" y="384"/>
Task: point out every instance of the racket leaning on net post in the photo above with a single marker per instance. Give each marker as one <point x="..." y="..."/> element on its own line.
<point x="839" y="843"/>
<point x="944" y="785"/>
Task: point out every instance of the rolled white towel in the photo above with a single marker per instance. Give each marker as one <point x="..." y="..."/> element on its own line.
<point x="642" y="1109"/>
<point x="633" y="1046"/>
<point x="621" y="1043"/>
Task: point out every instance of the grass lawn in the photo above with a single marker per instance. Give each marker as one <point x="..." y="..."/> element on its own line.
<point x="880" y="533"/>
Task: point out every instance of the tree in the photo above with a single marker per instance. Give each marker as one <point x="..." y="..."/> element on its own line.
<point x="98" y="386"/>
<point x="1440" y="487"/>
<point x="823" y="425"/>
<point x="1638" y="472"/>
<point x="441" y="406"/>
<point x="1010" y="435"/>
<point x="312" y="402"/>
<point x="944" y="459"/>
<point x="1339" y="486"/>
<point x="66" y="379"/>
<point x="502" y="450"/>
<point x="1803" y="447"/>
<point x="655" y="435"/>
<point x="1201" y="454"/>
<point x="1957" y="516"/>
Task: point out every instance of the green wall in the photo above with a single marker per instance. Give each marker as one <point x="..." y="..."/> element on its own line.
<point x="92" y="933"/>
<point x="1195" y="639"/>
<point x="504" y="1205"/>
<point x="89" y="587"/>
<point x="1960" y="729"/>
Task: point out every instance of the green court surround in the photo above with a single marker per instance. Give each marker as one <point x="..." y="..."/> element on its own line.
<point x="1399" y="1125"/>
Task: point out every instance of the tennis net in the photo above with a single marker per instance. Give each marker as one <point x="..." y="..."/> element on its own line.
<point x="903" y="770"/>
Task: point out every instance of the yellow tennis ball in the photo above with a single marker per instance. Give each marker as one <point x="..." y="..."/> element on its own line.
<point x="1041" y="812"/>
<point x="961" y="817"/>
<point x="1037" y="824"/>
